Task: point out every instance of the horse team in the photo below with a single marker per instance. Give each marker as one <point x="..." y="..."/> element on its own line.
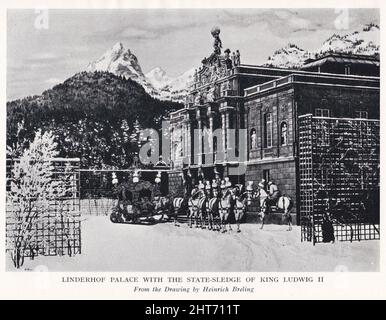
<point x="213" y="205"/>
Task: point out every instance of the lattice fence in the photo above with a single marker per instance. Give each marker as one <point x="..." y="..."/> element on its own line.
<point x="57" y="231"/>
<point x="339" y="178"/>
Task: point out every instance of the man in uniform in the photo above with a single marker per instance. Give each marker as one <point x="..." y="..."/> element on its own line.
<point x="273" y="194"/>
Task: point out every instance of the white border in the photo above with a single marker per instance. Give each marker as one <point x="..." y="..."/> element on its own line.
<point x="30" y="285"/>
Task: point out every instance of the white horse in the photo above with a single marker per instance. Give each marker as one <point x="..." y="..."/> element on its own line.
<point x="179" y="206"/>
<point x="284" y="203"/>
<point x="212" y="210"/>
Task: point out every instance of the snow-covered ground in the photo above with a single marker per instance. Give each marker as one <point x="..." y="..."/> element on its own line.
<point x="163" y="247"/>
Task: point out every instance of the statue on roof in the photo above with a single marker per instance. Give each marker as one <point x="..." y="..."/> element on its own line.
<point x="217" y="44"/>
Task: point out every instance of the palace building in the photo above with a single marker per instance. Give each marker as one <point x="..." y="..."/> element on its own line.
<point x="267" y="102"/>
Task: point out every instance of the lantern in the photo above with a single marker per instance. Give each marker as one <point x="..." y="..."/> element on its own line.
<point x="114" y="178"/>
<point x="136" y="176"/>
<point x="158" y="177"/>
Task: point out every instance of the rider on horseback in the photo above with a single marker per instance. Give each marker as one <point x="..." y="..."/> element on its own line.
<point x="273" y="194"/>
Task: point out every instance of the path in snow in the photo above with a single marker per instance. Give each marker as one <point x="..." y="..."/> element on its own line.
<point x="163" y="247"/>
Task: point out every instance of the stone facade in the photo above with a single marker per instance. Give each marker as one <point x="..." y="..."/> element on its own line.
<point x="266" y="102"/>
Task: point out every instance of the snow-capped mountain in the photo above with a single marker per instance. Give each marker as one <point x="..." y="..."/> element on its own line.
<point x="290" y="56"/>
<point x="158" y="78"/>
<point x="122" y="62"/>
<point x="364" y="42"/>
<point x="180" y="83"/>
<point x="169" y="88"/>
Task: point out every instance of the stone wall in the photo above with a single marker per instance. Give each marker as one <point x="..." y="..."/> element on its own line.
<point x="342" y="102"/>
<point x="280" y="105"/>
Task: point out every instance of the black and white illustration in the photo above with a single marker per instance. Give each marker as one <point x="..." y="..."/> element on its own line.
<point x="193" y="140"/>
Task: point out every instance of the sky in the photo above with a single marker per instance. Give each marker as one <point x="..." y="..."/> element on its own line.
<point x="44" y="49"/>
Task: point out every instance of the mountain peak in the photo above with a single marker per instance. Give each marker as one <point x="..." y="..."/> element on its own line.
<point x="118" y="47"/>
<point x="365" y="41"/>
<point x="121" y="62"/>
<point x="158" y="78"/>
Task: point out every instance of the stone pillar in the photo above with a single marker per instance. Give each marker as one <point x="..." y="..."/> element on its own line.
<point x="223" y="132"/>
<point x="185" y="139"/>
<point x="211" y="135"/>
<point x="246" y="126"/>
<point x="227" y="125"/>
<point x="171" y="134"/>
<point x="199" y="127"/>
<point x="189" y="142"/>
<point x="186" y="150"/>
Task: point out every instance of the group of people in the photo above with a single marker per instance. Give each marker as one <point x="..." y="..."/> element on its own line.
<point x="221" y="186"/>
<point x="232" y="60"/>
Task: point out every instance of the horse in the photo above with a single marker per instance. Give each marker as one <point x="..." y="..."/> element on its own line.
<point x="179" y="206"/>
<point x="201" y="212"/>
<point x="212" y="209"/>
<point x="225" y="206"/>
<point x="194" y="203"/>
<point x="240" y="206"/>
<point x="284" y="203"/>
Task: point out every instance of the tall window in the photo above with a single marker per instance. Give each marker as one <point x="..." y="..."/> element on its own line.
<point x="181" y="145"/>
<point x="214" y="148"/>
<point x="322" y="112"/>
<point x="268" y="130"/>
<point x="266" y="175"/>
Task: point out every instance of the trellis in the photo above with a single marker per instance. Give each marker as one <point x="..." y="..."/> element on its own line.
<point x="52" y="236"/>
<point x="339" y="175"/>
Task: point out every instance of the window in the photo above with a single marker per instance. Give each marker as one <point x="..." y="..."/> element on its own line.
<point x="175" y="151"/>
<point x="268" y="130"/>
<point x="283" y="133"/>
<point x="266" y="175"/>
<point x="361" y="114"/>
<point x="214" y="148"/>
<point x="347" y="69"/>
<point x="322" y="112"/>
